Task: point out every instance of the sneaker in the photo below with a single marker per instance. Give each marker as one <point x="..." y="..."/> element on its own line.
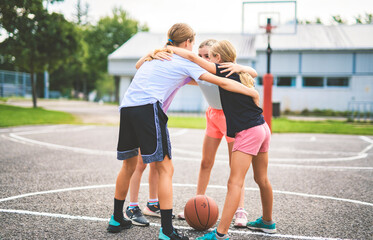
<point x="152" y="210"/>
<point x="259" y="225"/>
<point x="115" y="227"/>
<point x="212" y="236"/>
<point x="240" y="218"/>
<point x="137" y="217"/>
<point x="173" y="236"/>
<point x="181" y="215"/>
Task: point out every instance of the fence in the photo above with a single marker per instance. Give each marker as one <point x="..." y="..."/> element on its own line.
<point x="361" y="110"/>
<point x="15" y="84"/>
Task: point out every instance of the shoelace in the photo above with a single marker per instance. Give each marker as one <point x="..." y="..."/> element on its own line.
<point x="241" y="214"/>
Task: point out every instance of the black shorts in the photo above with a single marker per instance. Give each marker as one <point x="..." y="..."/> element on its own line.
<point x="143" y="127"/>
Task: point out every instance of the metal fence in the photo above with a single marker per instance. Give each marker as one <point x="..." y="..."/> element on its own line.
<point x="15" y="84"/>
<point x="361" y="110"/>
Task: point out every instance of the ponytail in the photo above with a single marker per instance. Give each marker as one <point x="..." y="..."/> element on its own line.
<point x="179" y="33"/>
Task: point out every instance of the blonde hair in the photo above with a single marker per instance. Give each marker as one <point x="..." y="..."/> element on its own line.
<point x="179" y="33"/>
<point x="208" y="42"/>
<point x="228" y="53"/>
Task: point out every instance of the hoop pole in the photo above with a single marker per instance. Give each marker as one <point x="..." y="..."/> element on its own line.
<point x="267" y="99"/>
<point x="268" y="81"/>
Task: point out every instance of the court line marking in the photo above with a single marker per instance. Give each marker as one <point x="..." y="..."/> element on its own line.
<point x="340" y="168"/>
<point x="303" y="160"/>
<point x="57" y="215"/>
<point x="15" y="138"/>
<point x="187" y="185"/>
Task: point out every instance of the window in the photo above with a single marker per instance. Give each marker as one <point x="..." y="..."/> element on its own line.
<point x="286" y="81"/>
<point x="259" y="81"/>
<point x="313" y="81"/>
<point x="337" y="82"/>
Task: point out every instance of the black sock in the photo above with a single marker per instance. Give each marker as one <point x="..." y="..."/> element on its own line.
<point x="166" y="221"/>
<point x="219" y="234"/>
<point x="118" y="210"/>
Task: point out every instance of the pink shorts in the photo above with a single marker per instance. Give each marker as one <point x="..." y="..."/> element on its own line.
<point x="216" y="125"/>
<point x="253" y="140"/>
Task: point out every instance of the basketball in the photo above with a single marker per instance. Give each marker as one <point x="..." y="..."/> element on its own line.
<point x="201" y="212"/>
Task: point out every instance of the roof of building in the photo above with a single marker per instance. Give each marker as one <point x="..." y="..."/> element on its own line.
<point x="307" y="37"/>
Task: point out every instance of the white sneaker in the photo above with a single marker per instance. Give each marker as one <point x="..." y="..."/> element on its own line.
<point x="240" y="218"/>
<point x="181" y="216"/>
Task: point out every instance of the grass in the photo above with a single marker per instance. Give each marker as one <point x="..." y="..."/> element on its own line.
<point x="283" y="125"/>
<point x="16" y="116"/>
<point x="186" y="122"/>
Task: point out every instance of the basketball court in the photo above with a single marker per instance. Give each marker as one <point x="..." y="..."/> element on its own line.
<point x="58" y="182"/>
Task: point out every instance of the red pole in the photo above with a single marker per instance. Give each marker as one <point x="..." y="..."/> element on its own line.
<point x="267" y="98"/>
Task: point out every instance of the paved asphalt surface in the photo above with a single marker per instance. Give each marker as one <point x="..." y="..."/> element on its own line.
<point x="57" y="182"/>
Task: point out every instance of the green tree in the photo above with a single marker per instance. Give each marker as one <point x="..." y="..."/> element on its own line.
<point x="338" y="19"/>
<point x="107" y="36"/>
<point x="37" y="40"/>
<point x="74" y="76"/>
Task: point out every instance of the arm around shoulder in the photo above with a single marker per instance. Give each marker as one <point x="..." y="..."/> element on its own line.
<point x="231" y="85"/>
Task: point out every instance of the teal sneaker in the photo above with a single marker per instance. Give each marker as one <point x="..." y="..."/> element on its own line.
<point x="173" y="236"/>
<point x="259" y="225"/>
<point x="115" y="227"/>
<point x="212" y="236"/>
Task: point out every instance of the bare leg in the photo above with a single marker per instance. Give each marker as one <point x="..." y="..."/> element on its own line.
<point x="210" y="146"/>
<point x="136" y="179"/>
<point x="239" y="165"/>
<point x="153" y="181"/>
<point x="260" y="166"/>
<point x="242" y="198"/>
<point x="165" y="170"/>
<point x="124" y="177"/>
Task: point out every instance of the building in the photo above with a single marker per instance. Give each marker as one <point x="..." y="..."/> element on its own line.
<point x="319" y="67"/>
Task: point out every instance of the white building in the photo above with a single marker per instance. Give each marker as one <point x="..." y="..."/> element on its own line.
<point x="319" y="67"/>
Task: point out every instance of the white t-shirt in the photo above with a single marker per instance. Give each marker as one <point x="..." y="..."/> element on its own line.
<point x="156" y="79"/>
<point x="211" y="93"/>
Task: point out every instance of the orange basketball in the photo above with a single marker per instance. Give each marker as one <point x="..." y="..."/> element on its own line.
<point x="201" y="212"/>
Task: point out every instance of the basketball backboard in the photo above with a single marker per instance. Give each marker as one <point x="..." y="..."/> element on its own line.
<point x="283" y="15"/>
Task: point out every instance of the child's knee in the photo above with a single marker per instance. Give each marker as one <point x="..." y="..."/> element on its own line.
<point x="165" y="169"/>
<point x="207" y="164"/>
<point x="235" y="183"/>
<point x="262" y="181"/>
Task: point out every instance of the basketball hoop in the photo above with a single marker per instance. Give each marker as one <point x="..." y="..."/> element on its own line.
<point x="269" y="26"/>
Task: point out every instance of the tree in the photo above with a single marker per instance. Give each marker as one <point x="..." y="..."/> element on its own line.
<point x="368" y="19"/>
<point x="81" y="15"/>
<point x="107" y="36"/>
<point x="37" y="40"/>
<point x="338" y="19"/>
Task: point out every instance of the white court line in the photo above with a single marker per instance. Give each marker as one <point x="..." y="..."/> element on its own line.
<point x="176" y="158"/>
<point x="156" y="224"/>
<point x="20" y="139"/>
<point x="187" y="185"/>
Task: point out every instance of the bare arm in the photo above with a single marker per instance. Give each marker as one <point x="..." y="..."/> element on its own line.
<point x="236" y="68"/>
<point x="156" y="54"/>
<point x="231" y="85"/>
<point x="142" y="60"/>
<point x="209" y="66"/>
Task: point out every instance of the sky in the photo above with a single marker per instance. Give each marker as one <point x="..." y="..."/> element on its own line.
<point x="208" y="16"/>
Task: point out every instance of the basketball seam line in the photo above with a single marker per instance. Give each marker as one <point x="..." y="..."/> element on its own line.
<point x="208" y="216"/>
<point x="195" y="208"/>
